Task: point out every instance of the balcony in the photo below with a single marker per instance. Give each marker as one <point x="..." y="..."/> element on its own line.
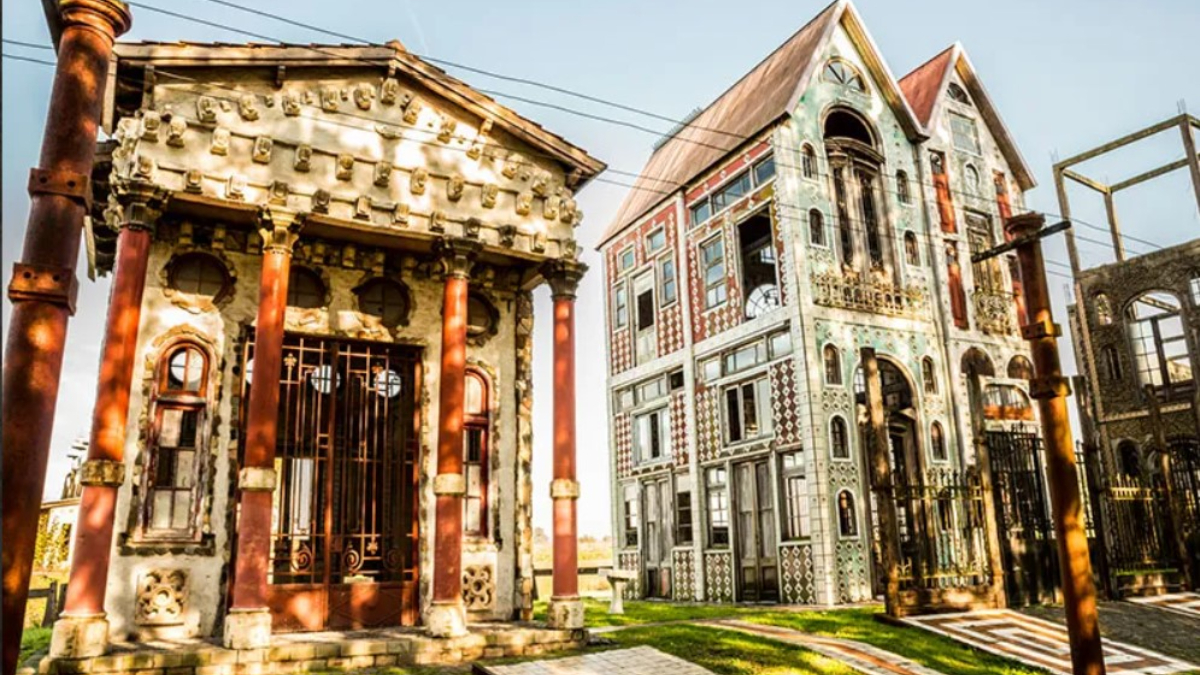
<point x="863" y="295"/>
<point x="994" y="312"/>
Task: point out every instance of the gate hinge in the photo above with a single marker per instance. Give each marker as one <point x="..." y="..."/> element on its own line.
<point x="66" y="183"/>
<point x="56" y="285"/>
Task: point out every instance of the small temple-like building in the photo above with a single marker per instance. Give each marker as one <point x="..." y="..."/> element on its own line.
<point x="315" y="402"/>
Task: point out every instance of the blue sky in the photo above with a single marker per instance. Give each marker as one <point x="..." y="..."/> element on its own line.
<point x="1066" y="75"/>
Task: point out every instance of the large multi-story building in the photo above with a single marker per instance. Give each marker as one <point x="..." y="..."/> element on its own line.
<point x="816" y="208"/>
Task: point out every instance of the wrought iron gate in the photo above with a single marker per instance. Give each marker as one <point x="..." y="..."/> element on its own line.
<point x="1185" y="481"/>
<point x="344" y="527"/>
<point x="1027" y="545"/>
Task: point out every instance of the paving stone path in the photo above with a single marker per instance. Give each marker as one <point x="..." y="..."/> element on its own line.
<point x="1173" y="633"/>
<point x="1041" y="643"/>
<point x="1188" y="603"/>
<point x="859" y="656"/>
<point x="635" y="661"/>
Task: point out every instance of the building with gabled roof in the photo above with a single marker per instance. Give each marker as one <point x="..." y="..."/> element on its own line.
<point x="817" y="208"/>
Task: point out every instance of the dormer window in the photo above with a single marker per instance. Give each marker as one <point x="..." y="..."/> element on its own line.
<point x="840" y="72"/>
<point x="957" y="94"/>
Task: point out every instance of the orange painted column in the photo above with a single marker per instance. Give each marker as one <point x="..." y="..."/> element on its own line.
<point x="104" y="471"/>
<point x="446" y="617"/>
<point x="43" y="288"/>
<point x="566" y="610"/>
<point x="248" y="625"/>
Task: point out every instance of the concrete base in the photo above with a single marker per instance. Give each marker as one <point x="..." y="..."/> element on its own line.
<point x="248" y="629"/>
<point x="446" y="620"/>
<point x="79" y="636"/>
<point x="566" y="613"/>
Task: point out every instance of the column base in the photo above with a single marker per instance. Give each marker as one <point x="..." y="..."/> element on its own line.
<point x="566" y="613"/>
<point x="79" y="636"/>
<point x="248" y="628"/>
<point x="446" y="620"/>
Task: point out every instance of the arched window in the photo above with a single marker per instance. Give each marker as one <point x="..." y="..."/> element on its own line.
<point x="833" y="365"/>
<point x="476" y="428"/>
<point x="1019" y="368"/>
<point x="870" y="215"/>
<point x="845" y="228"/>
<point x="816" y="228"/>
<point x="928" y="376"/>
<point x="305" y="289"/>
<point x="937" y="442"/>
<point x="957" y="94"/>
<point x="912" y="254"/>
<point x="846" y="515"/>
<point x="198" y="274"/>
<point x="902" y="189"/>
<point x="839" y="442"/>
<point x="385" y="299"/>
<point x="1159" y="341"/>
<point x="971" y="177"/>
<point x="177" y="447"/>
<point x="840" y="72"/>
<point x="1129" y="459"/>
<point x="1112" y="363"/>
<point x="808" y="162"/>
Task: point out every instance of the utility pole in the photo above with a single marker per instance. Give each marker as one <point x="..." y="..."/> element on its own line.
<point x="1051" y="389"/>
<point x="43" y="286"/>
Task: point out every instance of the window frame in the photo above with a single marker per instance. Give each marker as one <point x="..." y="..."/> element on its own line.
<point x="929" y="382"/>
<point x="819" y="241"/>
<point x="166" y="398"/>
<point x="620" y="305"/>
<point x="765" y="423"/>
<point x="903" y="188"/>
<point x="685" y="526"/>
<point x="854" y="80"/>
<point x="660" y="417"/>
<point x="939" y="451"/>
<point x="627" y="250"/>
<point x="808" y="162"/>
<point x="802" y="519"/>
<point x="721" y="488"/>
<point x="838" y="421"/>
<point x="668" y="259"/>
<point x="853" y="510"/>
<point x="826" y="370"/>
<point x="705" y="268"/>
<point x="708" y="202"/>
<point x="481" y="422"/>
<point x="631" y="512"/>
<point x="955" y="135"/>
<point x="652" y="250"/>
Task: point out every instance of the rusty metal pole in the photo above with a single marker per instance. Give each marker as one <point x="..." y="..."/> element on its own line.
<point x="566" y="608"/>
<point x="881" y="482"/>
<point x="44" y="285"/>
<point x="1050" y="389"/>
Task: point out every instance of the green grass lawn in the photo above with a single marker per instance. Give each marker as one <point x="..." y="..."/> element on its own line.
<point x="638" y="612"/>
<point x="727" y="652"/>
<point x="33" y="640"/>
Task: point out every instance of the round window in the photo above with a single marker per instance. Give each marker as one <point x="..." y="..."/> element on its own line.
<point x="481" y="318"/>
<point x="387" y="383"/>
<point x="385" y="299"/>
<point x="185" y="370"/>
<point x="198" y="274"/>
<point x="305" y="289"/>
<point x="324" y="380"/>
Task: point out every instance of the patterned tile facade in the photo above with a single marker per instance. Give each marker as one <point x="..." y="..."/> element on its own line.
<point x="679" y="428"/>
<point x="853" y="583"/>
<point x="623" y="437"/>
<point x="783" y="403"/>
<point x="683" y="561"/>
<point x="708" y="424"/>
<point x="796" y="574"/>
<point x="718" y="576"/>
<point x="670" y="318"/>
<point x="631" y="560"/>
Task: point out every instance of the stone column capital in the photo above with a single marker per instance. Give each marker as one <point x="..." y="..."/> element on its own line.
<point x="111" y="17"/>
<point x="456" y="255"/>
<point x="142" y="203"/>
<point x="279" y="229"/>
<point x="1024" y="224"/>
<point x="564" y="276"/>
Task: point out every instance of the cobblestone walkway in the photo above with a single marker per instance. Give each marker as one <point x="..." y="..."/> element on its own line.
<point x="859" y="656"/>
<point x="635" y="661"/>
<point x="1041" y="643"/>
<point x="1188" y="603"/>
<point x="1172" y="633"/>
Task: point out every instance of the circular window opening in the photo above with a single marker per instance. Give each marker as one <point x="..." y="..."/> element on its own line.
<point x="199" y="275"/>
<point x="387" y="383"/>
<point x="185" y="370"/>
<point x="305" y="289"/>
<point x="481" y="318"/>
<point x="384" y="299"/>
<point x="324" y="379"/>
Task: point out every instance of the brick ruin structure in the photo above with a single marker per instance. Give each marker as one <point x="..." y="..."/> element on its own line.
<point x="1135" y="326"/>
<point x="315" y="403"/>
<point x="818" y="215"/>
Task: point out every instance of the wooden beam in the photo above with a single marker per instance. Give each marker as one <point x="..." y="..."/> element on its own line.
<point x="1153" y="173"/>
<point x="1189" y="146"/>
<point x="1122" y="141"/>
<point x="1085" y="181"/>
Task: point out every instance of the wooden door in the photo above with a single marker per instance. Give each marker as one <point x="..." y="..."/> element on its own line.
<point x="757" y="549"/>
<point x="657" y="514"/>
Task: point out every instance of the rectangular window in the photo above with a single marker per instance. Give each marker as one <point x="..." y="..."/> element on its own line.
<point x="621" y="306"/>
<point x="733" y="191"/>
<point x="1194" y="288"/>
<point x="655" y="241"/>
<point x="626" y="259"/>
<point x="701" y="212"/>
<point x="675" y="380"/>
<point x="475" y="473"/>
<point x="764" y="171"/>
<point x="966" y="137"/>
<point x="683" y="516"/>
<point x="718" y="507"/>
<point x="651" y="391"/>
<point x="651" y="436"/>
<point x="710" y="369"/>
<point x="747" y="411"/>
<point x="670" y="289"/>
<point x="631" y="516"/>
<point x="780" y="344"/>
<point x="795" y="495"/>
<point x="645" y="309"/>
<point x="624" y="399"/>
<point x="172" y="472"/>
<point x="712" y="256"/>
<point x="745" y="357"/>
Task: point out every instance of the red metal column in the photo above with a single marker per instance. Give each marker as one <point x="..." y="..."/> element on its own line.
<point x="566" y="609"/>
<point x="248" y="625"/>
<point x="83" y="631"/>
<point x="1050" y="389"/>
<point x="446" y="617"/>
<point x="43" y="288"/>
